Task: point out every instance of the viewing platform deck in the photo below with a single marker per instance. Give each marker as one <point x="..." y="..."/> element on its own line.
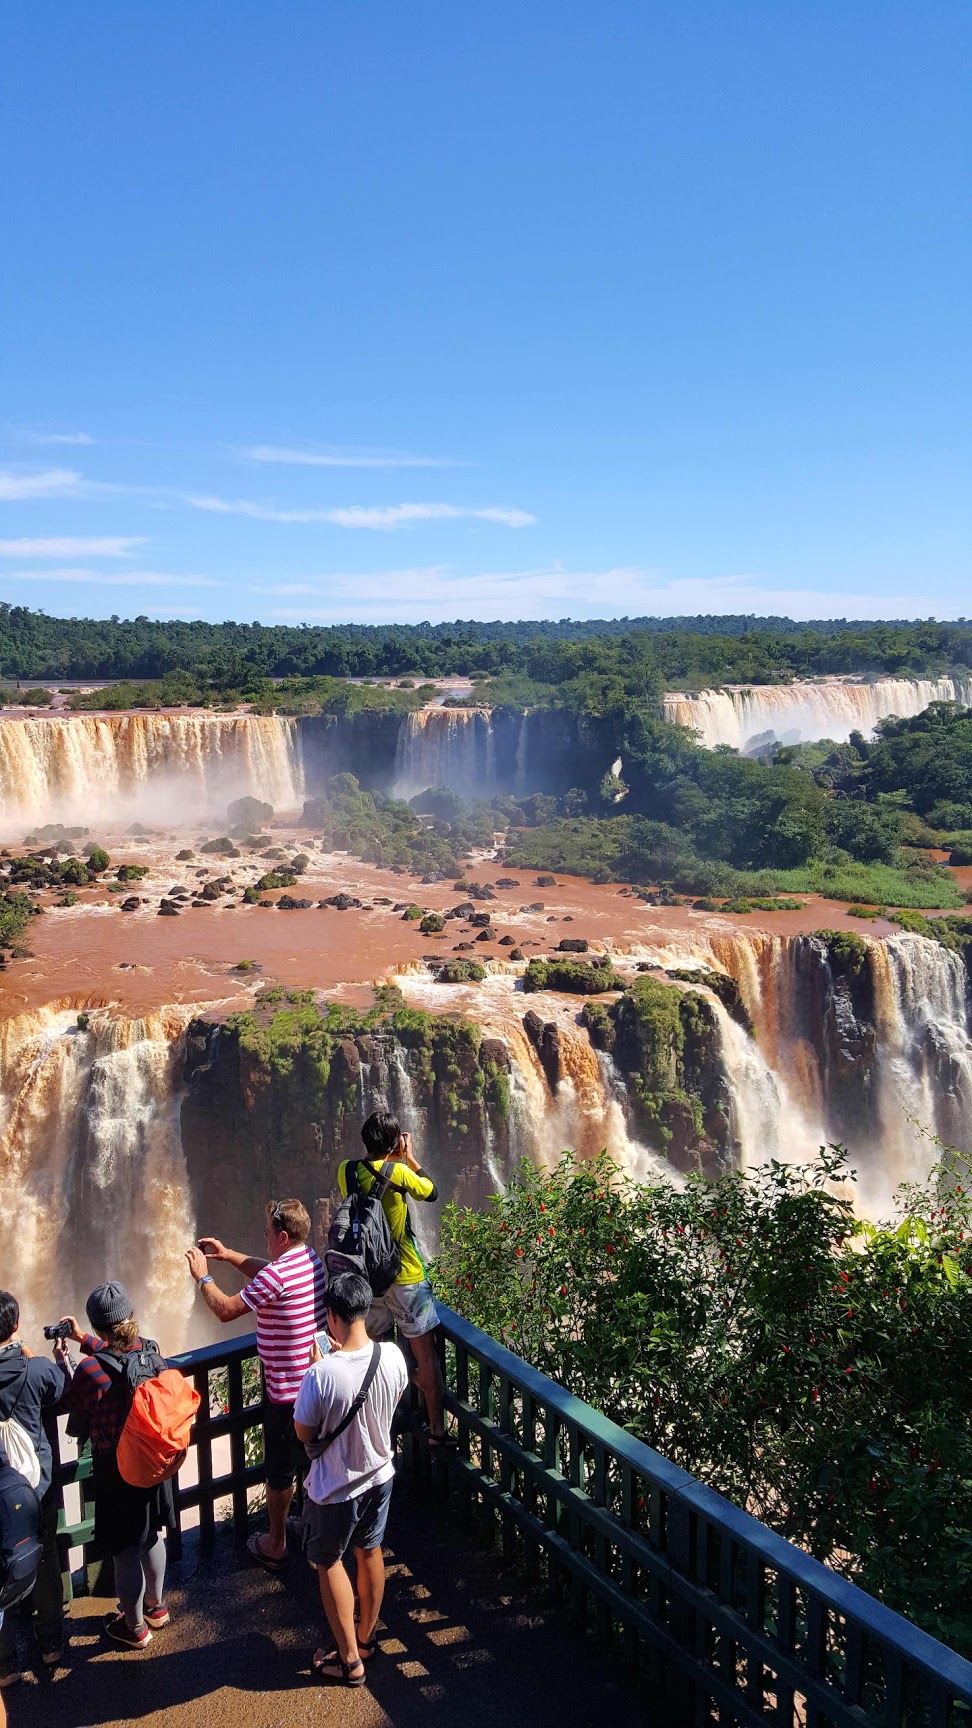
<point x="465" y="1643"/>
<point x="551" y="1570"/>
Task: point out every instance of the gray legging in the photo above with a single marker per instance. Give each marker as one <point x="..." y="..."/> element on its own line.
<point x="140" y="1575"/>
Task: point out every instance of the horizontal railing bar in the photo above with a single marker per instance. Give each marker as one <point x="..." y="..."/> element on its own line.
<point x="215" y="1355"/>
<point x="562" y="1403"/>
<point x="627" y="1608"/>
<point x="219" y="1487"/>
<point x="935" y="1661"/>
<point x="211" y="1427"/>
<point x="698" y="1597"/>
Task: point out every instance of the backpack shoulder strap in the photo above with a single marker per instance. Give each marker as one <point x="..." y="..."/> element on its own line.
<point x="118" y="1363"/>
<point x="319" y="1447"/>
<point x="383" y="1177"/>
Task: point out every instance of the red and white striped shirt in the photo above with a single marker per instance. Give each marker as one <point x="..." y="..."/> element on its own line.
<point x="288" y="1300"/>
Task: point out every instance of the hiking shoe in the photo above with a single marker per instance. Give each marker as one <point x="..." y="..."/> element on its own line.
<point x="119" y="1631"/>
<point x="154" y="1614"/>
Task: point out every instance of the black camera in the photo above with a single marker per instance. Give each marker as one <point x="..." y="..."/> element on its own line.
<point x="61" y="1330"/>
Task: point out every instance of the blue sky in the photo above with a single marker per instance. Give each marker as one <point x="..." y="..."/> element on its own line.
<point x="325" y="311"/>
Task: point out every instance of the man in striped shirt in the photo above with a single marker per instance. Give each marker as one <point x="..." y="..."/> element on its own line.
<point x="286" y="1293"/>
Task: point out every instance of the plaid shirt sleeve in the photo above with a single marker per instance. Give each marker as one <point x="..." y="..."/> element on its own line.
<point x="89" y="1383"/>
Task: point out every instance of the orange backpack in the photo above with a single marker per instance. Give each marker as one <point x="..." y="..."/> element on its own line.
<point x="155" y="1438"/>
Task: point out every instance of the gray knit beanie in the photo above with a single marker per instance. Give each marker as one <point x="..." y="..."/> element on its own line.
<point x="108" y="1305"/>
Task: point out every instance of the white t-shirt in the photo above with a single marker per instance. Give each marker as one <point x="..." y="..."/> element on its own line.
<point x="361" y="1457"/>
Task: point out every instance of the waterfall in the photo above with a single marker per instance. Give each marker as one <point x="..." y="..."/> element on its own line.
<point x="521" y="784"/>
<point x="925" y="1051"/>
<point x="445" y="747"/>
<point x="799" y="712"/>
<point x="92" y="1178"/>
<point x="164" y="767"/>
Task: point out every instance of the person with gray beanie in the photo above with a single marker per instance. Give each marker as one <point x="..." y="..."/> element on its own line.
<point x="129" y="1522"/>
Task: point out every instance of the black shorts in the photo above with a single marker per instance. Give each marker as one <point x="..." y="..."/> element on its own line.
<point x="283" y="1453"/>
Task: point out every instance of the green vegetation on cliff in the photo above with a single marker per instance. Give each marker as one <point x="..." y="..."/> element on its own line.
<point x="385" y="831"/>
<point x="662" y="1039"/>
<point x="288" y="1040"/>
<point x="814" y="1369"/>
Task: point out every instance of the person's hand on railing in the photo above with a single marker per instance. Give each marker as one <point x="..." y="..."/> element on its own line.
<point x="212" y="1247"/>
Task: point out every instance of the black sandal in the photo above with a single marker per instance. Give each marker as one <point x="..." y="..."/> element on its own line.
<point x="331" y="1659"/>
<point x="441" y="1442"/>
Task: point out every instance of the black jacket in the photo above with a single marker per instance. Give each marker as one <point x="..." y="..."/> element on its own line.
<point x="25" y="1396"/>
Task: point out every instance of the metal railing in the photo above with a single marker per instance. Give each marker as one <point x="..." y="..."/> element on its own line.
<point x="730" y="1623"/>
<point x="228" y="1380"/>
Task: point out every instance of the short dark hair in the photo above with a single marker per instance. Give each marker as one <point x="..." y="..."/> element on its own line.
<point x="348" y="1295"/>
<point x="9" y="1315"/>
<point x="381" y="1133"/>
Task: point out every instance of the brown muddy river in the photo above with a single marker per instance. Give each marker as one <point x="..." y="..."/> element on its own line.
<point x="94" y="954"/>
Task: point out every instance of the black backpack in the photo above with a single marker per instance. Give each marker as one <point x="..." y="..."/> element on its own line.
<point x="131" y="1368"/>
<point x="20" y="1544"/>
<point x="360" y="1238"/>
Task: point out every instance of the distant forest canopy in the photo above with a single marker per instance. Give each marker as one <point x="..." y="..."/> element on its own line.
<point x="658" y="652"/>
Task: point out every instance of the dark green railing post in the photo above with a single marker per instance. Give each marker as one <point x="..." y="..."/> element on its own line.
<point x="707" y="1599"/>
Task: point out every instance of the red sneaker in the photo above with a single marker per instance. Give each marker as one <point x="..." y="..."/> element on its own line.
<point x="119" y="1631"/>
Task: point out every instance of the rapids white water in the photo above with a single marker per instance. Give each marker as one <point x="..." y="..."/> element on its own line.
<point x="163" y="767"/>
<point x="917" y="1083"/>
<point x="92" y="1177"/>
<point x="800" y="712"/>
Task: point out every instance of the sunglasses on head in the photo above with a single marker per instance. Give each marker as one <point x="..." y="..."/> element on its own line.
<point x="274" y="1213"/>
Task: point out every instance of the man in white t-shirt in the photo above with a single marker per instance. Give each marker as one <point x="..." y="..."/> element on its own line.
<point x="350" y="1394"/>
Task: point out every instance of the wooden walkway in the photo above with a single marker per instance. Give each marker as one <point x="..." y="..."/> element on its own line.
<point x="465" y="1646"/>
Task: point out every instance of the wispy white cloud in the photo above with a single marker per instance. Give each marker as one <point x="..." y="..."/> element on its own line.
<point x="51" y="483"/>
<point x="437" y="593"/>
<point x="362" y="515"/>
<point x="341" y="458"/>
<point x="72" y="546"/>
<point x="56" y="437"/>
<point x="396" y="515"/>
<point x="111" y="579"/>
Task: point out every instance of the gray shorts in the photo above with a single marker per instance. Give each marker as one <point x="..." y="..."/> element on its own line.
<point x="410" y="1307"/>
<point x="341" y="1524"/>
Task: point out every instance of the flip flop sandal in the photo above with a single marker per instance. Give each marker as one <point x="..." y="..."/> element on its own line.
<point x="331" y="1659"/>
<point x="267" y="1561"/>
<point x="441" y="1442"/>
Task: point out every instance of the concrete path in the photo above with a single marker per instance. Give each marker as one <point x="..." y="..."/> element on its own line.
<point x="465" y="1646"/>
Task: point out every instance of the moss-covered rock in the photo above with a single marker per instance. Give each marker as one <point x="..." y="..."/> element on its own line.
<point x="277" y="1094"/>
<point x="577" y="977"/>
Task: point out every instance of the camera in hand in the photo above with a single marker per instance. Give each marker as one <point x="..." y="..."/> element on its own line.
<point x="62" y="1329"/>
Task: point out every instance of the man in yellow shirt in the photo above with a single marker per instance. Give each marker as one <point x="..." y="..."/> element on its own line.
<point x="408" y="1303"/>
